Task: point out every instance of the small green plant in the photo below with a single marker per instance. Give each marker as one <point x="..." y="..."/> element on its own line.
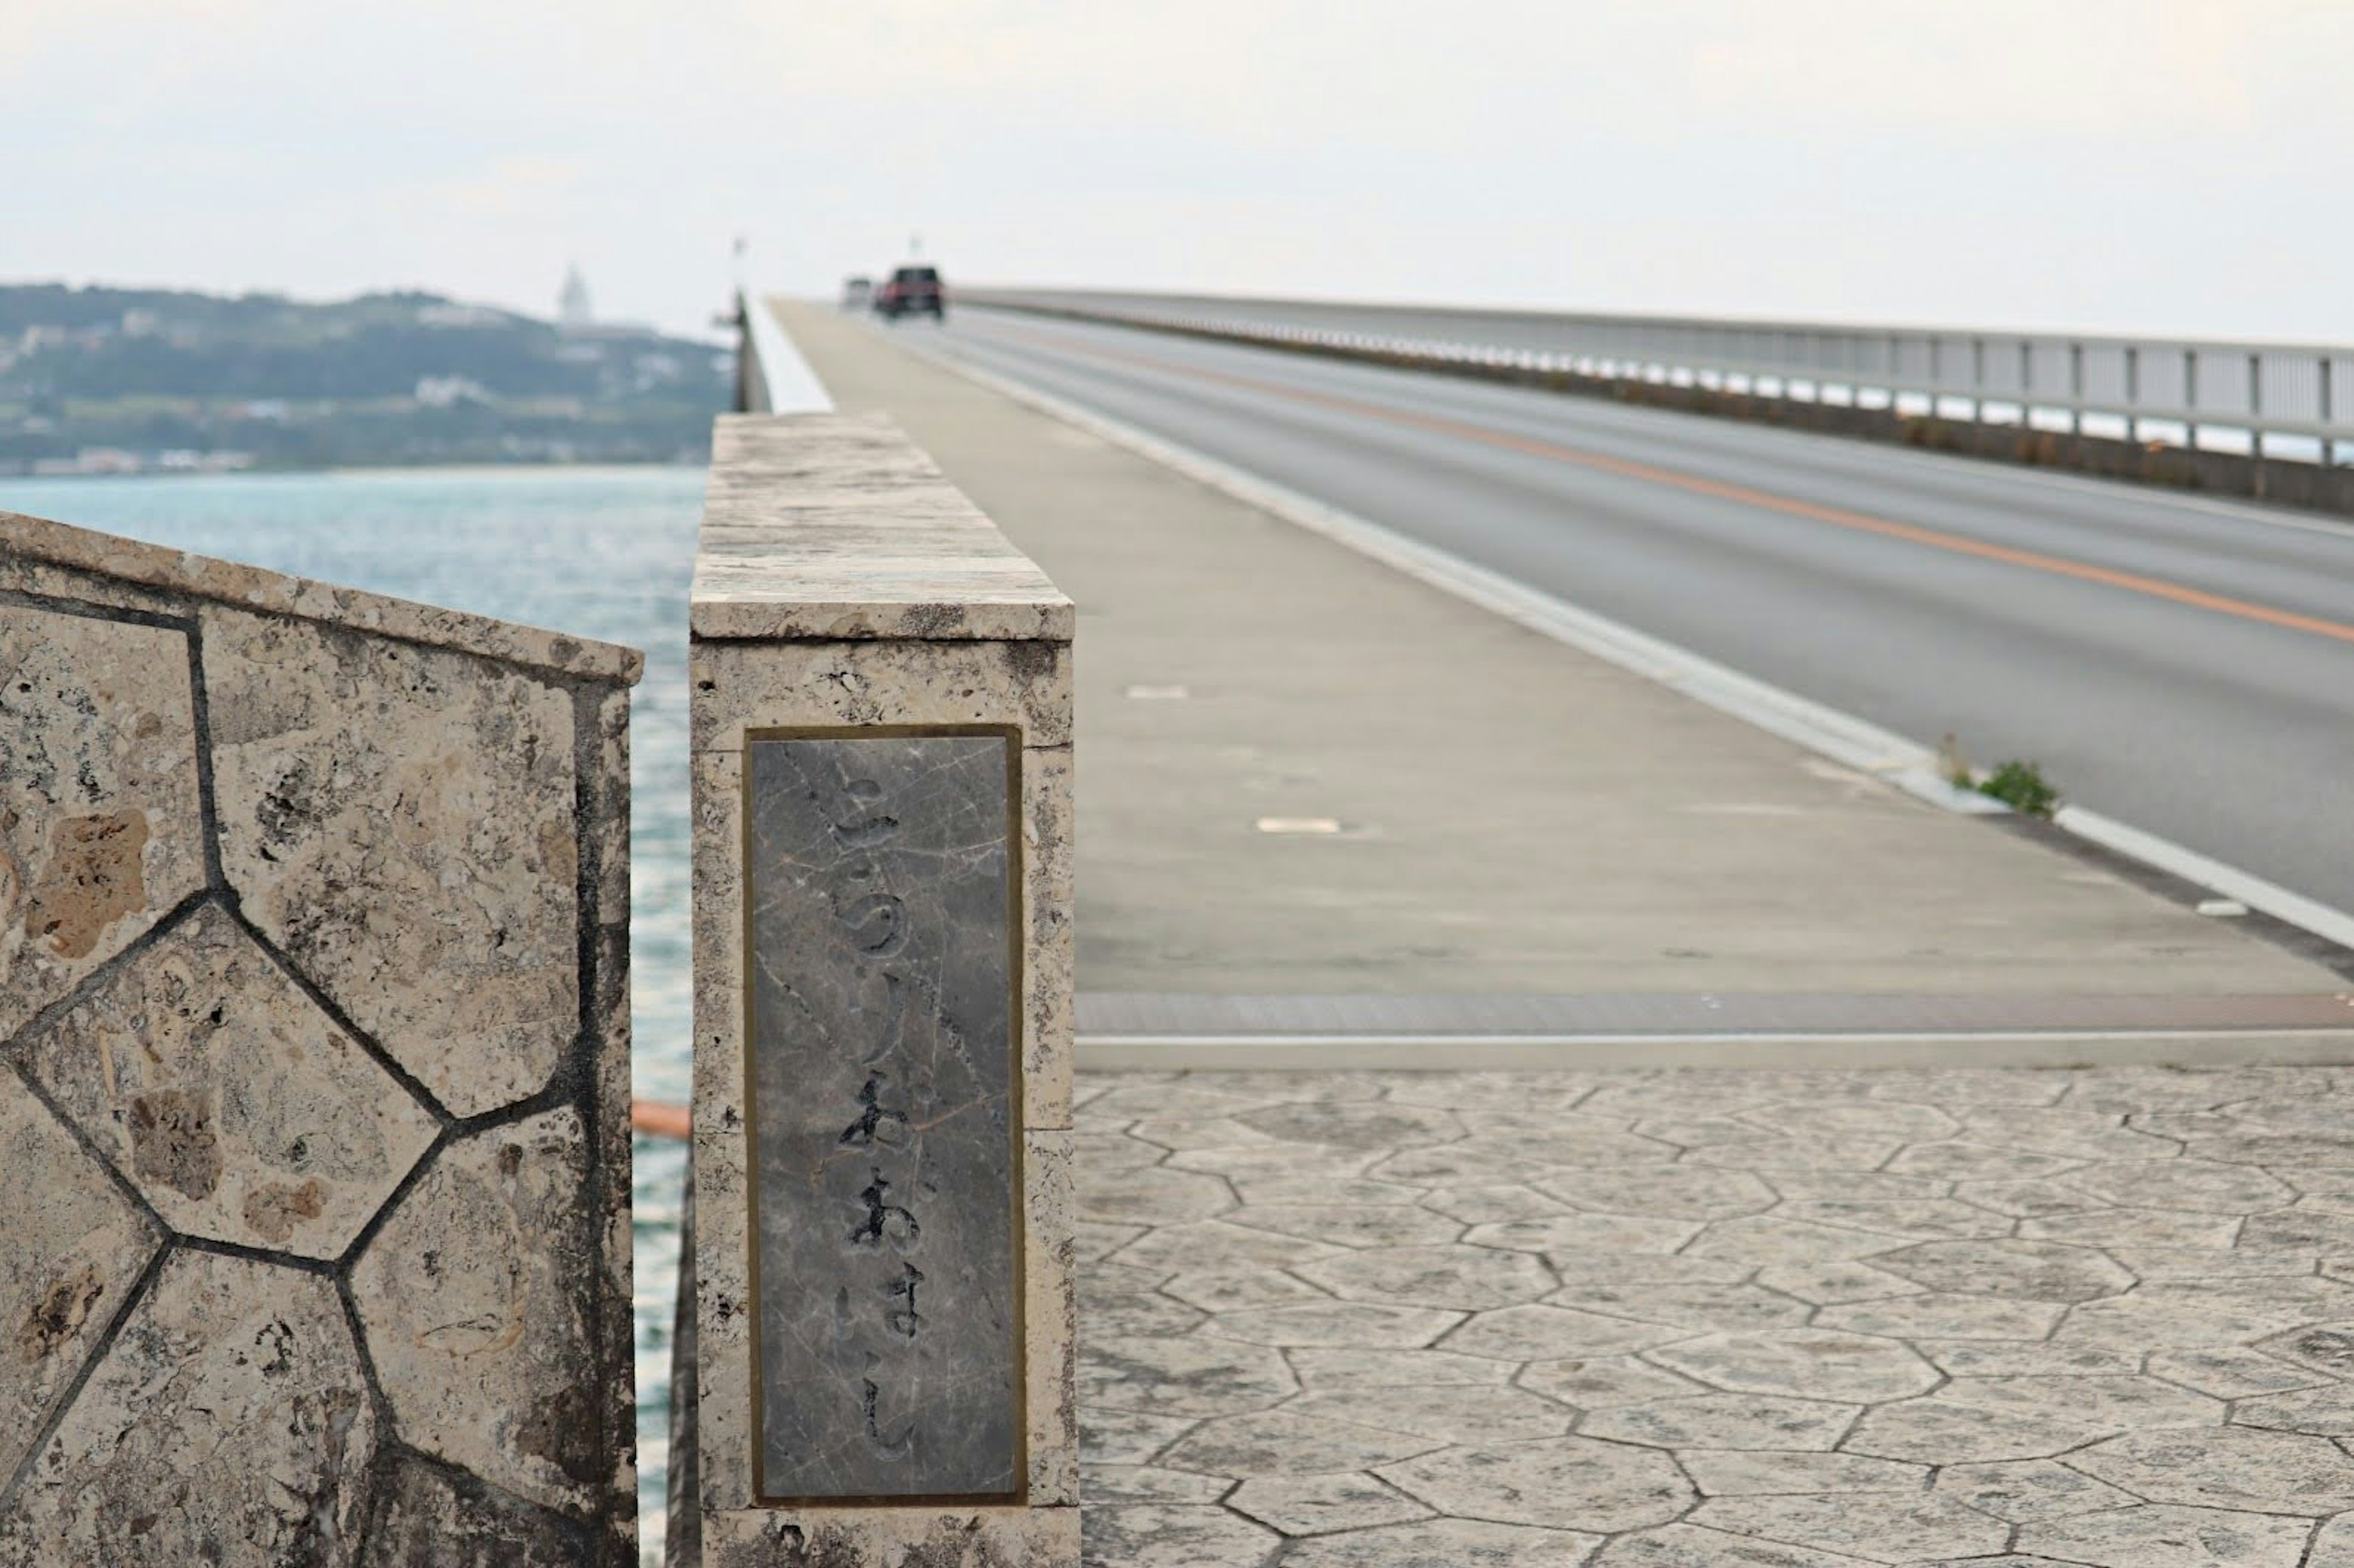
<point x="2022" y="787"/>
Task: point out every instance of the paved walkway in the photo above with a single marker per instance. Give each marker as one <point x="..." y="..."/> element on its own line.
<point x="1688" y="1319"/>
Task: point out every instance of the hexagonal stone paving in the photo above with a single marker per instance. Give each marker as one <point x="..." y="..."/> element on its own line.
<point x="1320" y="1505"/>
<point x="1444" y="1544"/>
<point x="2026" y="1491"/>
<point x="2168" y="1537"/>
<point x="2228" y="1467"/>
<point x="101" y="830"/>
<point x="222" y="1093"/>
<point x="1188" y="1376"/>
<point x="1725" y="1421"/>
<point x="1554" y="1333"/>
<point x="231" y="1409"/>
<point x="1152" y="1195"/>
<point x="2123" y="1381"/>
<point x="475" y="1334"/>
<point x="67" y="1266"/>
<point x="1279" y="1442"/>
<point x="1454" y="1412"/>
<point x="354" y="772"/>
<point x="1354" y="1324"/>
<point x="1931" y="1431"/>
<point x="1675" y="1191"/>
<point x="1739" y="1472"/>
<point x="2203" y="1186"/>
<point x="1565" y="1483"/>
<point x="1455" y="1279"/>
<point x="1891" y="1530"/>
<point x="1160" y="1535"/>
<point x="1351" y="1224"/>
<point x="2326" y="1348"/>
<point x="1346" y="1125"/>
<point x="1803" y="1363"/>
<point x="2036" y="1271"/>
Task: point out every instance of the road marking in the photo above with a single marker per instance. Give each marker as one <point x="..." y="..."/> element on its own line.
<point x="1762" y="500"/>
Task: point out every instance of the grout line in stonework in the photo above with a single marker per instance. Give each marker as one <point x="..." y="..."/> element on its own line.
<point x="326" y="1266"/>
<point x="82" y="609"/>
<point x="380" y="1484"/>
<point x="200" y="717"/>
<point x="336" y="1015"/>
<point x="581" y="1532"/>
<point x="90" y="1147"/>
<point x="65" y="1400"/>
<point x="387" y="1438"/>
<point x="41" y="1022"/>
<point x="349" y="1259"/>
<point x="564" y="1091"/>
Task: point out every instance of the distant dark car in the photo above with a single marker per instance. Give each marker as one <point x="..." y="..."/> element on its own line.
<point x="912" y="290"/>
<point x="856" y="292"/>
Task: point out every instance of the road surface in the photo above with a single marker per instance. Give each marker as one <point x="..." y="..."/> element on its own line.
<point x="2183" y="664"/>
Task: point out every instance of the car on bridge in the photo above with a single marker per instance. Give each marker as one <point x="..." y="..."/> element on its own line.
<point x="912" y="290"/>
<point x="856" y="290"/>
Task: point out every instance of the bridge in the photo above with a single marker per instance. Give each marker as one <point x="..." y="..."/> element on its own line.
<point x="1555" y="729"/>
<point x="2177" y="653"/>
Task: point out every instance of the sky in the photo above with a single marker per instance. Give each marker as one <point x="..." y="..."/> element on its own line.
<point x="2169" y="166"/>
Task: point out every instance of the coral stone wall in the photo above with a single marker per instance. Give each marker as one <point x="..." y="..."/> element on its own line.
<point x="314" y="1073"/>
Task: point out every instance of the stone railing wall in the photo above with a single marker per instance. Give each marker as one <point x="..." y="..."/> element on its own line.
<point x="314" y="1245"/>
<point x="881" y="717"/>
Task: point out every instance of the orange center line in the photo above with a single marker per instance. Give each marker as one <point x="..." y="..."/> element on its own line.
<point x="1766" y="501"/>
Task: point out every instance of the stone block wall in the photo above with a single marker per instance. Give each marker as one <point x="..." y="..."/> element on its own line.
<point x="883" y="952"/>
<point x="315" y="1241"/>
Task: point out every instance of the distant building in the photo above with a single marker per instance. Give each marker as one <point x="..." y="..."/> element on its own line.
<point x="573" y="310"/>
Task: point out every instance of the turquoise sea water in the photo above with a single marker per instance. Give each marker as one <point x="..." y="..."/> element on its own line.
<point x="604" y="553"/>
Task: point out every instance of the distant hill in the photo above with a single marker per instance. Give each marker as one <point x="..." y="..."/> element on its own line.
<point x="101" y="379"/>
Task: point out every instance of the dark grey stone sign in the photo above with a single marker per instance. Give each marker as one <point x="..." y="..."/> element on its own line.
<point x="883" y="998"/>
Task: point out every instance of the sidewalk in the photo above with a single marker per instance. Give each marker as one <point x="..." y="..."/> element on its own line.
<point x="1516" y="818"/>
<point x="1711" y="1318"/>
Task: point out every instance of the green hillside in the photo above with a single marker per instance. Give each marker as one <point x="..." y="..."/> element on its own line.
<point x="99" y="379"/>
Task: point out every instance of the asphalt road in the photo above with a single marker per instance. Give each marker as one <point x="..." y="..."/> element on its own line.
<point x="2182" y="664"/>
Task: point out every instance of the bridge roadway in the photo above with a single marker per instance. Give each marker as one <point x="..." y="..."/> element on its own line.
<point x="2183" y="664"/>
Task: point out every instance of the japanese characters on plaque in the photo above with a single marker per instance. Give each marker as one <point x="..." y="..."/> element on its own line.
<point x="881" y="903"/>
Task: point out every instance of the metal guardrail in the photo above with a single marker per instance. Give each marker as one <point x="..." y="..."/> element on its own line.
<point x="2273" y="400"/>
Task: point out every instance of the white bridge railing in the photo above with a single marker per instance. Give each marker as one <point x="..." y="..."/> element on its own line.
<point x="2268" y="399"/>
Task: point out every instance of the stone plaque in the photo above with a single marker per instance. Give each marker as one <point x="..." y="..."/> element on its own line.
<point x="881" y="910"/>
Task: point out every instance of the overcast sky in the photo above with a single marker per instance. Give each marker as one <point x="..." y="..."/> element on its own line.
<point x="2168" y="165"/>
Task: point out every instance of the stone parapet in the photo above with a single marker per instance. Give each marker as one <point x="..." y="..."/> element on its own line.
<point x="880" y="714"/>
<point x="314" y="1072"/>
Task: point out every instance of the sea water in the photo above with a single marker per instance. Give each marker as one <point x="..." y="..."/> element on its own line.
<point x="602" y="553"/>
